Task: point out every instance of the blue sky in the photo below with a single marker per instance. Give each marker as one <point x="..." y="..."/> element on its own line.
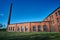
<point x="27" y="10"/>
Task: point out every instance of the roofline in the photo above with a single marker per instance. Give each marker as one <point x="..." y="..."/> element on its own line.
<point x="37" y="21"/>
<point x="29" y="22"/>
<point x="52" y="12"/>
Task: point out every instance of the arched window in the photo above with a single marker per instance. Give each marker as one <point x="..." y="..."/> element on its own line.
<point x="59" y="27"/>
<point x="59" y="12"/>
<point x="9" y="29"/>
<point x="52" y="28"/>
<point x="39" y="28"/>
<point x="45" y="28"/>
<point x="26" y="28"/>
<point x="34" y="28"/>
<point x="19" y="29"/>
<point x="22" y="29"/>
<point x="13" y="28"/>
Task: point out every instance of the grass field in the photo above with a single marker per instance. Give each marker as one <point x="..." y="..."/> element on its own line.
<point x="29" y="36"/>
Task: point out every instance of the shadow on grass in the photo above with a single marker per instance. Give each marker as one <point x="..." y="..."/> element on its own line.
<point x="26" y="38"/>
<point x="29" y="36"/>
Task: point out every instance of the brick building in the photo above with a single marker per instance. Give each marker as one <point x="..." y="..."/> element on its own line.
<point x="54" y="19"/>
<point x="43" y="26"/>
<point x="50" y="24"/>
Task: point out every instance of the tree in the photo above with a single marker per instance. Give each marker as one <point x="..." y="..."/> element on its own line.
<point x="1" y="26"/>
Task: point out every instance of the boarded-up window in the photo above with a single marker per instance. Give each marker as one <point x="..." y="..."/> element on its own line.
<point x="26" y="28"/>
<point x="39" y="28"/>
<point x="52" y="28"/>
<point x="34" y="28"/>
<point x="22" y="29"/>
<point x="59" y="27"/>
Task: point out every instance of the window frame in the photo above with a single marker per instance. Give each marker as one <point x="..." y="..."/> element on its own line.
<point x="34" y="28"/>
<point x="22" y="28"/>
<point x="39" y="28"/>
<point x="59" y="12"/>
<point x="26" y="28"/>
<point x="45" y="28"/>
<point x="18" y="28"/>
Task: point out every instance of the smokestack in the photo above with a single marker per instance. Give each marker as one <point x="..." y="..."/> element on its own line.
<point x="9" y="15"/>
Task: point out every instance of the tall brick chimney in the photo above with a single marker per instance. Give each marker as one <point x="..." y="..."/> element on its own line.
<point x="9" y="15"/>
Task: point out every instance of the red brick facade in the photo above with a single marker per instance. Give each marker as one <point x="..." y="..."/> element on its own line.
<point x="54" y="19"/>
<point x="50" y="24"/>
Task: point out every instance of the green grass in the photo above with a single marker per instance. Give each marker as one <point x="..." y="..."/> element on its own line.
<point x="30" y="36"/>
